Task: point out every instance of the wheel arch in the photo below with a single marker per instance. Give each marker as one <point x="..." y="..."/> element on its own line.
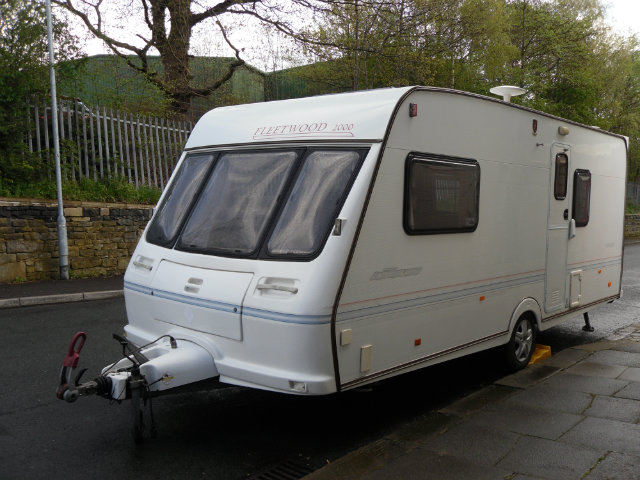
<point x="526" y="305"/>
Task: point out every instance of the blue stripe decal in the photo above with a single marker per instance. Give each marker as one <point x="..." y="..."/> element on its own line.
<point x="435" y="298"/>
<point x="198" y="302"/>
<point x="138" y="288"/>
<point x="351" y="314"/>
<point x="286" y="317"/>
<point x="441" y="297"/>
<point x="226" y="307"/>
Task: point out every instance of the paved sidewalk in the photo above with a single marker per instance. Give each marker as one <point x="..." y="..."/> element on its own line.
<point x="60" y="291"/>
<point x="573" y="416"/>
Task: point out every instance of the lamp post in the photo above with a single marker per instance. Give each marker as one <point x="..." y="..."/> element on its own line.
<point x="63" y="247"/>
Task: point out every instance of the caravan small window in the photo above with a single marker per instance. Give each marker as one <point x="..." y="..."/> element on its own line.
<point x="441" y="195"/>
<point x="178" y="200"/>
<point x="560" y="183"/>
<point x="581" y="197"/>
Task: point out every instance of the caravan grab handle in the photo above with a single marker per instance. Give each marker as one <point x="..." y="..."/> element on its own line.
<point x="282" y="288"/>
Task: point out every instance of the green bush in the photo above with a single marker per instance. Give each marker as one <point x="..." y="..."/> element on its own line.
<point x="632" y="207"/>
<point x="106" y="190"/>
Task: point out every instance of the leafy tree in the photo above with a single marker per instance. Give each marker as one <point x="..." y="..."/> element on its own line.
<point x="23" y="74"/>
<point x="434" y="42"/>
<point x="560" y="51"/>
<point x="618" y="108"/>
<point x="557" y="43"/>
<point x="361" y="44"/>
<point x="574" y="67"/>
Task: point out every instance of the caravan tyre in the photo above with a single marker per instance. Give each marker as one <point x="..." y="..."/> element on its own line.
<point x="522" y="343"/>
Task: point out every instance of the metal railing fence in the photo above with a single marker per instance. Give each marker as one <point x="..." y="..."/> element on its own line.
<point x="633" y="192"/>
<point x="96" y="142"/>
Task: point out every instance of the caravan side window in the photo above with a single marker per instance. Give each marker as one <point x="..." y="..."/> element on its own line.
<point x="441" y="194"/>
<point x="581" y="197"/>
<point x="560" y="182"/>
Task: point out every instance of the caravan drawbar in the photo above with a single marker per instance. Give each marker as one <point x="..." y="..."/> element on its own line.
<point x="314" y="245"/>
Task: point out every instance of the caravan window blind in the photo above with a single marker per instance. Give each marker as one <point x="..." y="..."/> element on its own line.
<point x="179" y="198"/>
<point x="561" y="174"/>
<point x="314" y="202"/>
<point x="237" y="202"/>
<point x="266" y="203"/>
<point x="441" y="195"/>
<point x="581" y="197"/>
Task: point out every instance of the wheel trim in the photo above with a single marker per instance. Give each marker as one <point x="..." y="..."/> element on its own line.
<point x="523" y="341"/>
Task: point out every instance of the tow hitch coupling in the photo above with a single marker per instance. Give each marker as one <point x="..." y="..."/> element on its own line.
<point x="128" y="382"/>
<point x="139" y="374"/>
<point x="70" y="390"/>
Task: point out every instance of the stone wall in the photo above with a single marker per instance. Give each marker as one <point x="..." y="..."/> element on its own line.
<point x="632" y="226"/>
<point x="101" y="238"/>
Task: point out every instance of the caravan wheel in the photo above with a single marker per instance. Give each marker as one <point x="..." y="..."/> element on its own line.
<point x="522" y="343"/>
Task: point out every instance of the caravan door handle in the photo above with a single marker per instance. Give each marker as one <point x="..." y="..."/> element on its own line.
<point x="566" y="214"/>
<point x="271" y="286"/>
<point x="142" y="265"/>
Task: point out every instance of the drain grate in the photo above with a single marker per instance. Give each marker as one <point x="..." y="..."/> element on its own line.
<point x="288" y="470"/>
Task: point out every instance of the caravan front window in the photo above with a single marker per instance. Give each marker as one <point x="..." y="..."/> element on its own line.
<point x="268" y="204"/>
<point x="313" y="202"/>
<point x="237" y="202"/>
<point x="178" y="199"/>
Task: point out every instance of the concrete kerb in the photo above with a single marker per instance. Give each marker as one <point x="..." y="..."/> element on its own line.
<point x="61" y="298"/>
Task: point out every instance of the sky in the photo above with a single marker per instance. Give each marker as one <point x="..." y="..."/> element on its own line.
<point x="622" y="15"/>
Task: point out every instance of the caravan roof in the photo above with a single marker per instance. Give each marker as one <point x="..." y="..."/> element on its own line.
<point x="362" y="115"/>
<point x="352" y="116"/>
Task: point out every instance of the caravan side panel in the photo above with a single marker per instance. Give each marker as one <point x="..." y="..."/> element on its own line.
<point x="411" y="300"/>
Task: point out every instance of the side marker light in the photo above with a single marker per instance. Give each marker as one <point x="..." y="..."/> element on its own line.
<point x="413" y="109"/>
<point x="417" y="342"/>
<point x="482" y="298"/>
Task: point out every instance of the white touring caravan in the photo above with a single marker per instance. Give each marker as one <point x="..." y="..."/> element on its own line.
<point x="314" y="245"/>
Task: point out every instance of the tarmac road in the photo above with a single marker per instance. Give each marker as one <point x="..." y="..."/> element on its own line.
<point x="224" y="434"/>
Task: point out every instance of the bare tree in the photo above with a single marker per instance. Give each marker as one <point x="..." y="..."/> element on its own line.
<point x="180" y="16"/>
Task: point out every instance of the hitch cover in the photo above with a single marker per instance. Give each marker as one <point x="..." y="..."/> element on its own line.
<point x="167" y="368"/>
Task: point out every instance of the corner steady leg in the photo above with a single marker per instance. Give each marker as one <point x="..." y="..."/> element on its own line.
<point x="137" y="387"/>
<point x="587" y="324"/>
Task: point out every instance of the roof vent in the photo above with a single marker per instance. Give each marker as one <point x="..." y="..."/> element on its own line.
<point x="507" y="91"/>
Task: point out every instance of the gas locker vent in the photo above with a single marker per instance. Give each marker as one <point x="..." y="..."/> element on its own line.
<point x="555" y="297"/>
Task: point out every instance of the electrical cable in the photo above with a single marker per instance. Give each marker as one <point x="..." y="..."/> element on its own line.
<point x="172" y="341"/>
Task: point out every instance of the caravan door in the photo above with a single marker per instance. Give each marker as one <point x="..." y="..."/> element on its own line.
<point x="558" y="222"/>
